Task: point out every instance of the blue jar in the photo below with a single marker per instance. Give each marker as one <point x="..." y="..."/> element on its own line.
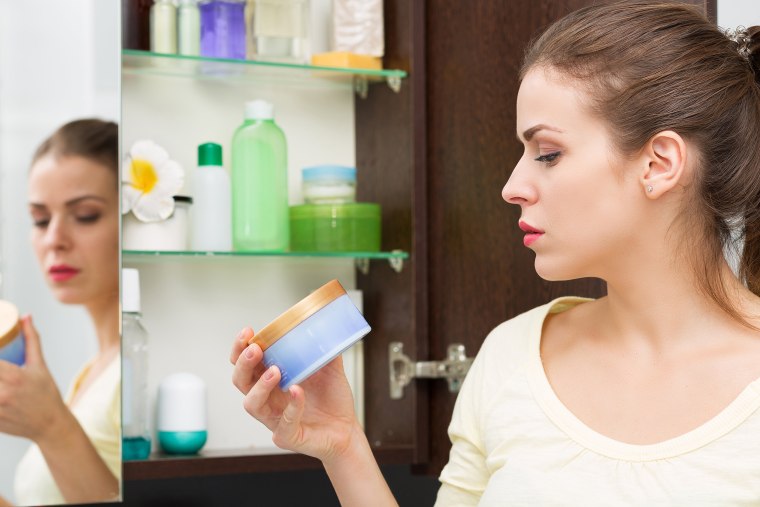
<point x="12" y="343"/>
<point x="311" y="333"/>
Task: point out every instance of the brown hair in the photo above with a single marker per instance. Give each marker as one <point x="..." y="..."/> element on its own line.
<point x="649" y="67"/>
<point x="90" y="138"/>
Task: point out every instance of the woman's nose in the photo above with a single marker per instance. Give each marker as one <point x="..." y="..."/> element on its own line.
<point x="57" y="235"/>
<point x="518" y="189"/>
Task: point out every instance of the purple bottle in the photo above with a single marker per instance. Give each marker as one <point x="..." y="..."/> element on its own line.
<point x="223" y="28"/>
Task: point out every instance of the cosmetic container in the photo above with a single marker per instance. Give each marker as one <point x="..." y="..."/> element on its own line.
<point x="259" y="182"/>
<point x="163" y="27"/>
<point x="329" y="184"/>
<point x="189" y="28"/>
<point x="181" y="420"/>
<point x="311" y="333"/>
<point x="281" y="30"/>
<point x="347" y="227"/>
<point x="135" y="437"/>
<point x="165" y="235"/>
<point x="12" y="343"/>
<point x="223" y="28"/>
<point x="358" y="27"/>
<point x="212" y="202"/>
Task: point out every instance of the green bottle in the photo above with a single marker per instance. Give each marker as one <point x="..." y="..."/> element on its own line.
<point x="259" y="182"/>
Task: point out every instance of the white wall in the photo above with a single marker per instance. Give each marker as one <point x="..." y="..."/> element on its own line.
<point x="733" y="13"/>
<point x="53" y="68"/>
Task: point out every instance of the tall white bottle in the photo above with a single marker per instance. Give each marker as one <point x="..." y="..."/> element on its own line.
<point x="212" y="205"/>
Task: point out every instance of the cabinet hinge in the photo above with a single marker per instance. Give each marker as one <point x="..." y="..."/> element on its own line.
<point x="403" y="370"/>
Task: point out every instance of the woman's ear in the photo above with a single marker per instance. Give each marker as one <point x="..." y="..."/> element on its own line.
<point x="664" y="158"/>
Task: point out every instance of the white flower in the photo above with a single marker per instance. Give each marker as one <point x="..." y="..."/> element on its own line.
<point x="149" y="181"/>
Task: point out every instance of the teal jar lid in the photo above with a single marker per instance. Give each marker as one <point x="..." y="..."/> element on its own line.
<point x="343" y="210"/>
<point x="329" y="172"/>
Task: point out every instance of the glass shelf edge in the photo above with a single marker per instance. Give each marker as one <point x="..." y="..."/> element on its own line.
<point x="384" y="73"/>
<point x="142" y="254"/>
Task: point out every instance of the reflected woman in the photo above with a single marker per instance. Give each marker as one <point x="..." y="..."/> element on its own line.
<point x="73" y="200"/>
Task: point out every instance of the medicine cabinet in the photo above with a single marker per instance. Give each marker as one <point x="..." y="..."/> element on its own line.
<point x="194" y="303"/>
<point x="435" y="155"/>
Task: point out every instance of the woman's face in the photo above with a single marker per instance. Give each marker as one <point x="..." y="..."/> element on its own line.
<point x="74" y="207"/>
<point x="581" y="199"/>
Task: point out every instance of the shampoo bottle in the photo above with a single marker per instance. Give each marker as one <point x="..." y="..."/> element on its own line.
<point x="212" y="207"/>
<point x="259" y="182"/>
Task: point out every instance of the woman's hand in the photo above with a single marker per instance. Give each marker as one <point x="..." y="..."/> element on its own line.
<point x="315" y="418"/>
<point x="30" y="404"/>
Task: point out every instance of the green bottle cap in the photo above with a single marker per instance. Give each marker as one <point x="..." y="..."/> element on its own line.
<point x="209" y="154"/>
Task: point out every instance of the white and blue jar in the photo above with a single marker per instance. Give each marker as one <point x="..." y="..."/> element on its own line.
<point x="311" y="333"/>
<point x="12" y="343"/>
<point x="182" y="420"/>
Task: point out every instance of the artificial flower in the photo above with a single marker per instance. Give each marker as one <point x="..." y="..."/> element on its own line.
<point x="149" y="181"/>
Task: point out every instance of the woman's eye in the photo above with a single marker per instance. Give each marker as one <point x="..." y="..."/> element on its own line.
<point x="40" y="223"/>
<point x="549" y="158"/>
<point x="88" y="219"/>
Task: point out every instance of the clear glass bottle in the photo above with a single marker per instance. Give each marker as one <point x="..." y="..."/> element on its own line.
<point x="259" y="182"/>
<point x="134" y="349"/>
<point x="281" y="30"/>
<point x="163" y="27"/>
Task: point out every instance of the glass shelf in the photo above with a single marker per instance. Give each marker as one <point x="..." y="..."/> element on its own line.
<point x="138" y="254"/>
<point x="136" y="62"/>
<point x="395" y="258"/>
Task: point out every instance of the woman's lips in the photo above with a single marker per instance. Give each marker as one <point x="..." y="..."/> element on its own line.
<point x="61" y="273"/>
<point x="532" y="233"/>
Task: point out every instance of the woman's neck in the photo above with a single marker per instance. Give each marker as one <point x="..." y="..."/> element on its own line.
<point x="661" y="308"/>
<point x="105" y="316"/>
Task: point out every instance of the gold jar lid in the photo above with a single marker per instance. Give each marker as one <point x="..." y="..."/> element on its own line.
<point x="297" y="313"/>
<point x="9" y="323"/>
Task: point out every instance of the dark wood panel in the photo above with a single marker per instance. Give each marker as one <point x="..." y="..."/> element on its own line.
<point x="390" y="142"/>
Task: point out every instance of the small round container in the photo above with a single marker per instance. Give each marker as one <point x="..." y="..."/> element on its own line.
<point x="166" y="235"/>
<point x="181" y="417"/>
<point x="12" y="343"/>
<point x="350" y="227"/>
<point x="311" y="333"/>
<point x="329" y="184"/>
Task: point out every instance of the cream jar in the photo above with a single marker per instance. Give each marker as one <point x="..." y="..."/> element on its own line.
<point x="311" y="333"/>
<point x="329" y="184"/>
<point x="12" y="343"/>
<point x="165" y="235"/>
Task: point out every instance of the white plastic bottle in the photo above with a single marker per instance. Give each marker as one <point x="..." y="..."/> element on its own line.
<point x="212" y="206"/>
<point x="163" y="27"/>
<point x="189" y="28"/>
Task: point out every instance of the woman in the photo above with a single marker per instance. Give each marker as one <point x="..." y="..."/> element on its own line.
<point x="73" y="201"/>
<point x="641" y="127"/>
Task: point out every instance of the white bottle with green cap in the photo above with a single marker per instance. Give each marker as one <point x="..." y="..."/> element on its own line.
<point x="212" y="207"/>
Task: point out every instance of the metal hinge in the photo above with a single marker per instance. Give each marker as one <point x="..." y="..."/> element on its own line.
<point x="403" y="369"/>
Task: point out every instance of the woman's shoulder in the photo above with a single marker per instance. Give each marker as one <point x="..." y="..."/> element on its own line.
<point x="513" y="338"/>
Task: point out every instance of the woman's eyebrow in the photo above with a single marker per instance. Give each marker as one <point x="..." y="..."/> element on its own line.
<point x="70" y="202"/>
<point x="528" y="134"/>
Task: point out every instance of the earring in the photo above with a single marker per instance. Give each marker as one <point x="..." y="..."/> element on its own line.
<point x="650" y="188"/>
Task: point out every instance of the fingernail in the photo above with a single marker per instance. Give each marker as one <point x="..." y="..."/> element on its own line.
<point x="240" y="335"/>
<point x="248" y="352"/>
<point x="269" y="375"/>
<point x="292" y="394"/>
